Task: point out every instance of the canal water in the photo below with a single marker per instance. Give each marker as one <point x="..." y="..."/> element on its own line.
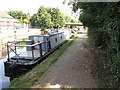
<point x="5" y="80"/>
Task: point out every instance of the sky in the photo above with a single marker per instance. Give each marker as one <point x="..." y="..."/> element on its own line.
<point x="31" y="6"/>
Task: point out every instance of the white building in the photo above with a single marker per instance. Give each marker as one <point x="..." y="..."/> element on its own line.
<point x="7" y="22"/>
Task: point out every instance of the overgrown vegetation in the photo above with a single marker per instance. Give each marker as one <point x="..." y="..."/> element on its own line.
<point x="103" y="22"/>
<point x="32" y="76"/>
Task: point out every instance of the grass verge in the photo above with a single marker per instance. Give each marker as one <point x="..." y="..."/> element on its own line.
<point x="28" y="79"/>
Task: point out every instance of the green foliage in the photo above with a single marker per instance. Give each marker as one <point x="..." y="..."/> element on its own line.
<point x="43" y="18"/>
<point x="72" y="21"/>
<point x="56" y="17"/>
<point x="26" y="21"/>
<point x="43" y="29"/>
<point x="47" y="17"/>
<point x="103" y="21"/>
<point x="22" y="17"/>
<point x="67" y="18"/>
<point x="33" y="20"/>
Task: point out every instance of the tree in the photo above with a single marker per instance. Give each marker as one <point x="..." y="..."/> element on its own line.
<point x="47" y="17"/>
<point x="56" y="17"/>
<point x="22" y="17"/>
<point x="43" y="18"/>
<point x="33" y="20"/>
<point x="67" y="18"/>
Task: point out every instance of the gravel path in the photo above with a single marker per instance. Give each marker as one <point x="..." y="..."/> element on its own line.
<point x="72" y="69"/>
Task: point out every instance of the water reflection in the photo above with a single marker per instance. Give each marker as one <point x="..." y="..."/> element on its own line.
<point x="4" y="80"/>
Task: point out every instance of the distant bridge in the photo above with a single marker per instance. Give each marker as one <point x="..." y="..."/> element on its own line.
<point x="73" y="24"/>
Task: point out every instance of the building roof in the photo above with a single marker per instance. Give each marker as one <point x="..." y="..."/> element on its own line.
<point x="74" y="24"/>
<point x="6" y="17"/>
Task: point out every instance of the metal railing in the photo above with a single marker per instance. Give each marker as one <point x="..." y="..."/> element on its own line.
<point x="15" y="44"/>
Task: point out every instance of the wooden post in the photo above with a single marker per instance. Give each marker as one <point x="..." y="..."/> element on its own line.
<point x="0" y="44"/>
<point x="0" y="50"/>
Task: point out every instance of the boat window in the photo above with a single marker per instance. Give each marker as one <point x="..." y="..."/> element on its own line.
<point x="56" y="39"/>
<point x="61" y="37"/>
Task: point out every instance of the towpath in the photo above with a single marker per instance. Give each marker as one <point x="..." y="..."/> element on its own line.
<point x="72" y="69"/>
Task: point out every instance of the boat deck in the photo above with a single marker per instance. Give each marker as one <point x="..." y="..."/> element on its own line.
<point x="25" y="56"/>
